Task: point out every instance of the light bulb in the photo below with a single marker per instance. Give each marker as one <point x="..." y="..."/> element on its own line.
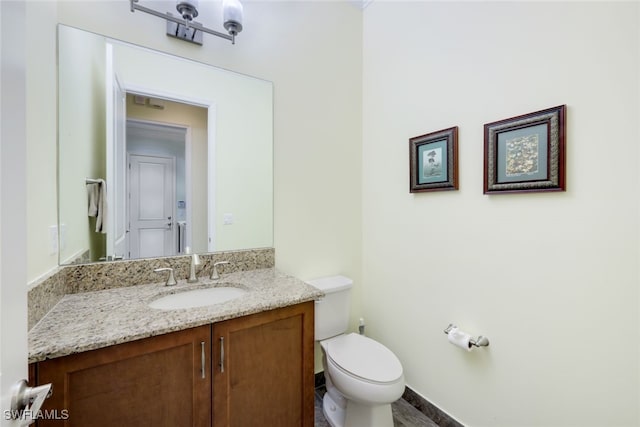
<point x="232" y="15"/>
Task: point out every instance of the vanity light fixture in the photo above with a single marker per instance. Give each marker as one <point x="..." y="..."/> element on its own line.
<point x="185" y="28"/>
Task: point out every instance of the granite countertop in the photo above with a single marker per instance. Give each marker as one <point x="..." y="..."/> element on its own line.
<point x="91" y="320"/>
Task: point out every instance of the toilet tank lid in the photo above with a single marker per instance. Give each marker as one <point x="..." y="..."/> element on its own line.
<point x="331" y="283"/>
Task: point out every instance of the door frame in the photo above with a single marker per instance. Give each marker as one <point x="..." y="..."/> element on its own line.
<point x="187" y="163"/>
<point x="210" y="105"/>
<point x="116" y="151"/>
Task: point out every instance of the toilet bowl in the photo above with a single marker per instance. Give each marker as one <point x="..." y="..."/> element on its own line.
<point x="363" y="369"/>
<point x="362" y="376"/>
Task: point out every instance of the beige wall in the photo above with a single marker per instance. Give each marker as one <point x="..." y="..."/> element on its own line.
<point x="41" y="136"/>
<point x="550" y="278"/>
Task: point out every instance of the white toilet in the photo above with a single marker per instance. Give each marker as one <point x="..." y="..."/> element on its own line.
<point x="362" y="376"/>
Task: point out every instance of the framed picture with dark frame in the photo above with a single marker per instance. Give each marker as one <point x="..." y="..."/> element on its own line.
<point x="525" y="153"/>
<point x="433" y="161"/>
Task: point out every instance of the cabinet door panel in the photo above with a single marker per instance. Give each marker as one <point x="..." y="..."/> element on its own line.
<point x="268" y="369"/>
<point x="154" y="381"/>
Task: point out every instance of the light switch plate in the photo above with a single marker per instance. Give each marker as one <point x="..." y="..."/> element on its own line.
<point x="53" y="240"/>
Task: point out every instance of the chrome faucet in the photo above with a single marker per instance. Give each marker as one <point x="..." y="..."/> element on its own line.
<point x="195" y="261"/>
<point x="214" y="270"/>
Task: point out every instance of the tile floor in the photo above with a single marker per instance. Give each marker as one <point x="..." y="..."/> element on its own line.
<point x="404" y="414"/>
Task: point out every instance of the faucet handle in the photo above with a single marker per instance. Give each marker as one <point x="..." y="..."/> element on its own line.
<point x="214" y="270"/>
<point x="171" y="279"/>
<point x="195" y="259"/>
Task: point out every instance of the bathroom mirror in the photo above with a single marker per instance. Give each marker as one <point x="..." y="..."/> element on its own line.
<point x="157" y="153"/>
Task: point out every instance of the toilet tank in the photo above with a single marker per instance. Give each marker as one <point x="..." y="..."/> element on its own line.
<point x="332" y="311"/>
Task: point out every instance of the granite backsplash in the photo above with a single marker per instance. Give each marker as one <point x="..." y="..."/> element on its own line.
<point x="73" y="279"/>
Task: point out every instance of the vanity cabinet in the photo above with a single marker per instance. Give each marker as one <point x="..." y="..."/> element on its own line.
<point x="262" y="367"/>
<point x="157" y="381"/>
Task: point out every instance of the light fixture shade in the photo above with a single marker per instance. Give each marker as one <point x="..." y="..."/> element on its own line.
<point x="187" y="8"/>
<point x="232" y="15"/>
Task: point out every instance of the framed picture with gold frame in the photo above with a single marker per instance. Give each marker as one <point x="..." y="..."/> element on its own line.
<point x="433" y="161"/>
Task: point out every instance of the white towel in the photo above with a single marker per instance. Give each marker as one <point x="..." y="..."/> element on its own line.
<point x="93" y="193"/>
<point x="97" y="195"/>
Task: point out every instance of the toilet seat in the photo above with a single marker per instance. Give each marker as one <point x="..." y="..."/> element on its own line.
<point x="364" y="359"/>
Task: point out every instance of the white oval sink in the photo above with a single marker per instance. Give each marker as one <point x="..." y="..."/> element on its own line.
<point x="197" y="298"/>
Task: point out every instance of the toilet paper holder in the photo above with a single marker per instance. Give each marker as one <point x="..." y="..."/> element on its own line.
<point x="480" y="341"/>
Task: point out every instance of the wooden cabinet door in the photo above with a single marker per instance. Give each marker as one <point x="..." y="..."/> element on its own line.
<point x="263" y="369"/>
<point x="157" y="381"/>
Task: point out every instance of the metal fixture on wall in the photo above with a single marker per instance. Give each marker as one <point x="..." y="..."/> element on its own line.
<point x="185" y="28"/>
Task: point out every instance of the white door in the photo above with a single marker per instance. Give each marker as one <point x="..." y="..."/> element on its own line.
<point x="13" y="230"/>
<point x="151" y="216"/>
<point x="13" y="206"/>
<point x="116" y="146"/>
